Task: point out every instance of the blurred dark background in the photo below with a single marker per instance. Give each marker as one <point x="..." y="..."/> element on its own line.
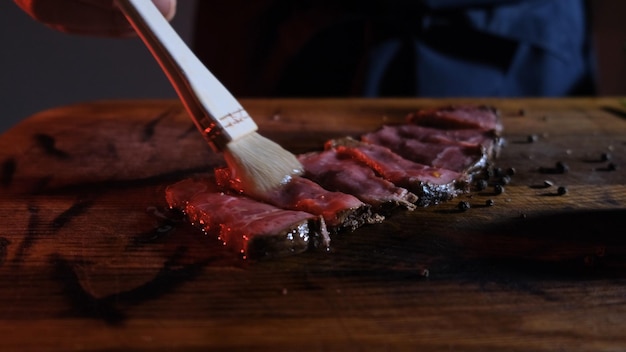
<point x="42" y="68"/>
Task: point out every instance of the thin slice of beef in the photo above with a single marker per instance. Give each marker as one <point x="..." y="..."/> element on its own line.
<point x="255" y="229"/>
<point x="431" y="184"/>
<point x="339" y="210"/>
<point x="488" y="139"/>
<point x="486" y="118"/>
<point x="457" y="150"/>
<point x="428" y="160"/>
<point x="344" y="174"/>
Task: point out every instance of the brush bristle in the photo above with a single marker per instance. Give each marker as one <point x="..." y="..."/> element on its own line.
<point x="260" y="164"/>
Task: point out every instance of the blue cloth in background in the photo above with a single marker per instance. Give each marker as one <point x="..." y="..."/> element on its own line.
<point x="496" y="48"/>
<point x="374" y="48"/>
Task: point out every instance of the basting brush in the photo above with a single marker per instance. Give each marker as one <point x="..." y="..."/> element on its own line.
<point x="260" y="164"/>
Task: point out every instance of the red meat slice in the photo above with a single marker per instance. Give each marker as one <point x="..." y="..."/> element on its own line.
<point x="481" y="117"/>
<point x="339" y="210"/>
<point x="346" y="175"/>
<point x="252" y="228"/>
<point x="428" y="160"/>
<point x="457" y="150"/>
<point x="464" y="137"/>
<point x="431" y="184"/>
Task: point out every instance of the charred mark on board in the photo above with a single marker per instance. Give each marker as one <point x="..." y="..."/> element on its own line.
<point x="168" y="221"/>
<point x="152" y="236"/>
<point x="110" y="309"/>
<point x="33" y="231"/>
<point x="48" y="144"/>
<point x="148" y="129"/>
<point x="82" y="303"/>
<point x="168" y="279"/>
<point x="4" y="249"/>
<point x="75" y="210"/>
<point x="31" y="234"/>
<point x="121" y="184"/>
<point x="190" y="130"/>
<point x="9" y="166"/>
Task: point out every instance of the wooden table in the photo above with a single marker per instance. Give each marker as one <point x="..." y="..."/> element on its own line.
<point x="89" y="259"/>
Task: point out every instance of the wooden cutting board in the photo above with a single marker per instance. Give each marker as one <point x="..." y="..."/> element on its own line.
<point x="91" y="259"/>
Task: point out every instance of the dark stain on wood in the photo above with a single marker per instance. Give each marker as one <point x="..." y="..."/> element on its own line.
<point x="111" y="309"/>
<point x="614" y="111"/>
<point x="4" y="249"/>
<point x="149" y="128"/>
<point x="191" y="130"/>
<point x="75" y="210"/>
<point x="9" y="166"/>
<point x="31" y="235"/>
<point x="160" y="232"/>
<point x="508" y="275"/>
<point x="168" y="221"/>
<point x="94" y="187"/>
<point x="81" y="302"/>
<point x="48" y="144"/>
<point x="564" y="241"/>
<point x="608" y="168"/>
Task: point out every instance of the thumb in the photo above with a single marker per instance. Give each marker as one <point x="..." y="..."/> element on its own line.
<point x="167" y="7"/>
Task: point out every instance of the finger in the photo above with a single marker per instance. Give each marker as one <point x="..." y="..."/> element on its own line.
<point x="167" y="8"/>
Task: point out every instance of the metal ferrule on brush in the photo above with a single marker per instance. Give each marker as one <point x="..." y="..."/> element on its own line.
<point x="230" y="127"/>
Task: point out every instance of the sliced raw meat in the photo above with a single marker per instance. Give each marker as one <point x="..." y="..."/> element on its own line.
<point x="435" y="147"/>
<point x="339" y="210"/>
<point x="465" y="137"/>
<point x="252" y="228"/>
<point x="431" y="184"/>
<point x="346" y="175"/>
<point x="430" y="159"/>
<point x="481" y="117"/>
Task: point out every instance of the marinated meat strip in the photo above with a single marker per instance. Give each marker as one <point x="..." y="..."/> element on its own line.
<point x="481" y="117"/>
<point x="466" y="137"/>
<point x="428" y="160"/>
<point x="431" y="184"/>
<point x="253" y="228"/>
<point x="339" y="210"/>
<point x="343" y="174"/>
<point x="457" y="150"/>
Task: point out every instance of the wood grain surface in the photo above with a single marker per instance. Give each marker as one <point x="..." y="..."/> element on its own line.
<point x="92" y="260"/>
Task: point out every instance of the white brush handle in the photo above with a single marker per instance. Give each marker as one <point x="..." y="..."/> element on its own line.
<point x="217" y="114"/>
